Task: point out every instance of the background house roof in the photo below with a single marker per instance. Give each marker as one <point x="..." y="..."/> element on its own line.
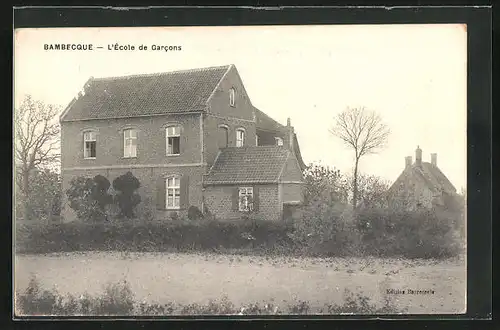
<point x="262" y="164"/>
<point x="435" y="178"/>
<point x="147" y="94"/>
<point x="431" y="175"/>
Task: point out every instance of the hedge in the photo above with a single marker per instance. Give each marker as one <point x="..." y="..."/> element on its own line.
<point x="152" y="236"/>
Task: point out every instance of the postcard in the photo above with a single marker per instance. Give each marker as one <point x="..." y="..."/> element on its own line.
<point x="240" y="170"/>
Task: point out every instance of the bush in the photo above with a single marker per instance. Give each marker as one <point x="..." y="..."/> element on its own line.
<point x="84" y="198"/>
<point x="327" y="229"/>
<point x="118" y="300"/>
<point x="100" y="192"/>
<point x="411" y="234"/>
<point x="194" y="213"/>
<point x="126" y="197"/>
<point x="150" y="236"/>
<point x="334" y="230"/>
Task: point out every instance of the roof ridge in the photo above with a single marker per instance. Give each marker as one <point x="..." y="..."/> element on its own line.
<point x="164" y="73"/>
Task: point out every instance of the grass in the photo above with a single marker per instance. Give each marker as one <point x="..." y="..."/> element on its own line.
<point x="199" y="279"/>
<point x="118" y="299"/>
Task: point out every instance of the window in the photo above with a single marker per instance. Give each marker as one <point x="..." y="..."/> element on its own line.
<point x="232" y="97"/>
<point x="173" y="192"/>
<point x="279" y="141"/>
<point x="223" y="137"/>
<point x="173" y="140"/>
<point x="240" y="138"/>
<point x="256" y="140"/>
<point x="129" y="143"/>
<point x="245" y="199"/>
<point x="89" y="144"/>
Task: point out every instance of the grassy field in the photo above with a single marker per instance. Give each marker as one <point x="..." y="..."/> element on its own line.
<point x="198" y="278"/>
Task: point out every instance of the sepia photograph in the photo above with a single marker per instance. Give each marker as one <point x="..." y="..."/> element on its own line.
<point x="240" y="170"/>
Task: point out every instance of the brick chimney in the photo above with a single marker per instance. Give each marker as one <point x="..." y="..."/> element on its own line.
<point x="290" y="134"/>
<point x="434" y="159"/>
<point x="408" y="161"/>
<point x="418" y="156"/>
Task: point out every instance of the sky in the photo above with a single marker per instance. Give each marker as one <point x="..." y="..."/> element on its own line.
<point x="414" y="76"/>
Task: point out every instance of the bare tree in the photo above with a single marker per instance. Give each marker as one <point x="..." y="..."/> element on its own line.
<point x="37" y="139"/>
<point x="364" y="132"/>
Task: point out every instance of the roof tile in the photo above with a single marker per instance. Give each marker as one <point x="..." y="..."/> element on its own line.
<point x="148" y="94"/>
<point x="262" y="164"/>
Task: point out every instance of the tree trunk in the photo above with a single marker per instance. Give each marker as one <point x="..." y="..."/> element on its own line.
<point x="26" y="194"/>
<point x="355" y="185"/>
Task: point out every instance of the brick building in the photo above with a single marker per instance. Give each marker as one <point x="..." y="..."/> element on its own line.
<point x="421" y="184"/>
<point x="192" y="138"/>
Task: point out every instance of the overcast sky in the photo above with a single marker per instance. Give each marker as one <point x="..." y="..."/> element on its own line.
<point x="413" y="75"/>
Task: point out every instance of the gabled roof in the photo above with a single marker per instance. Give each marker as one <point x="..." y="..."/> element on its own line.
<point x="265" y="123"/>
<point x="248" y="165"/>
<point x="431" y="175"/>
<point x="146" y="94"/>
<point x="435" y="178"/>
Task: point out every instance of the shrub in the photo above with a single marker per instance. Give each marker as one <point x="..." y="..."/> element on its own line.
<point x="194" y="213"/>
<point x="126" y="197"/>
<point x="82" y="195"/>
<point x="412" y="234"/>
<point x="361" y="304"/>
<point x="118" y="299"/>
<point x="327" y="229"/>
<point x="148" y="236"/>
<point x="100" y="192"/>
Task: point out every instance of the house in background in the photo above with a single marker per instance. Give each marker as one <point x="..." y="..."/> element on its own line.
<point x="191" y="137"/>
<point x="421" y="185"/>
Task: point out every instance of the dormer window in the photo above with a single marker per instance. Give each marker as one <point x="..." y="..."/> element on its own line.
<point x="232" y="97"/>
<point x="279" y="141"/>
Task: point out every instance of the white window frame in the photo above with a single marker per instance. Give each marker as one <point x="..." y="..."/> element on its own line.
<point x="232" y="97"/>
<point x="243" y="204"/>
<point x="240" y="140"/>
<point x="175" y="133"/>
<point x="89" y="136"/>
<point x="173" y="187"/>
<point x="256" y="140"/>
<point x="279" y="141"/>
<point x="129" y="150"/>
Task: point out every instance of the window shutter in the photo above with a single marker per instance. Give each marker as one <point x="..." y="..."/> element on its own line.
<point x="256" y="198"/>
<point x="160" y="194"/>
<point x="184" y="186"/>
<point x="235" y="199"/>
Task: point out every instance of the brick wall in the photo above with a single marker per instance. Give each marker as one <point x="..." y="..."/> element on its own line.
<point x="291" y="171"/>
<point x="221" y="113"/>
<point x="212" y="139"/>
<point x="219" y="103"/>
<point x="292" y="192"/>
<point x="148" y="178"/>
<point x="151" y="141"/>
<point x="219" y="201"/>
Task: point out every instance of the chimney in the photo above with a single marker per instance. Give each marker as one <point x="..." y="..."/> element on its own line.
<point x="434" y="159"/>
<point x="418" y="156"/>
<point x="407" y="161"/>
<point x="290" y="134"/>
